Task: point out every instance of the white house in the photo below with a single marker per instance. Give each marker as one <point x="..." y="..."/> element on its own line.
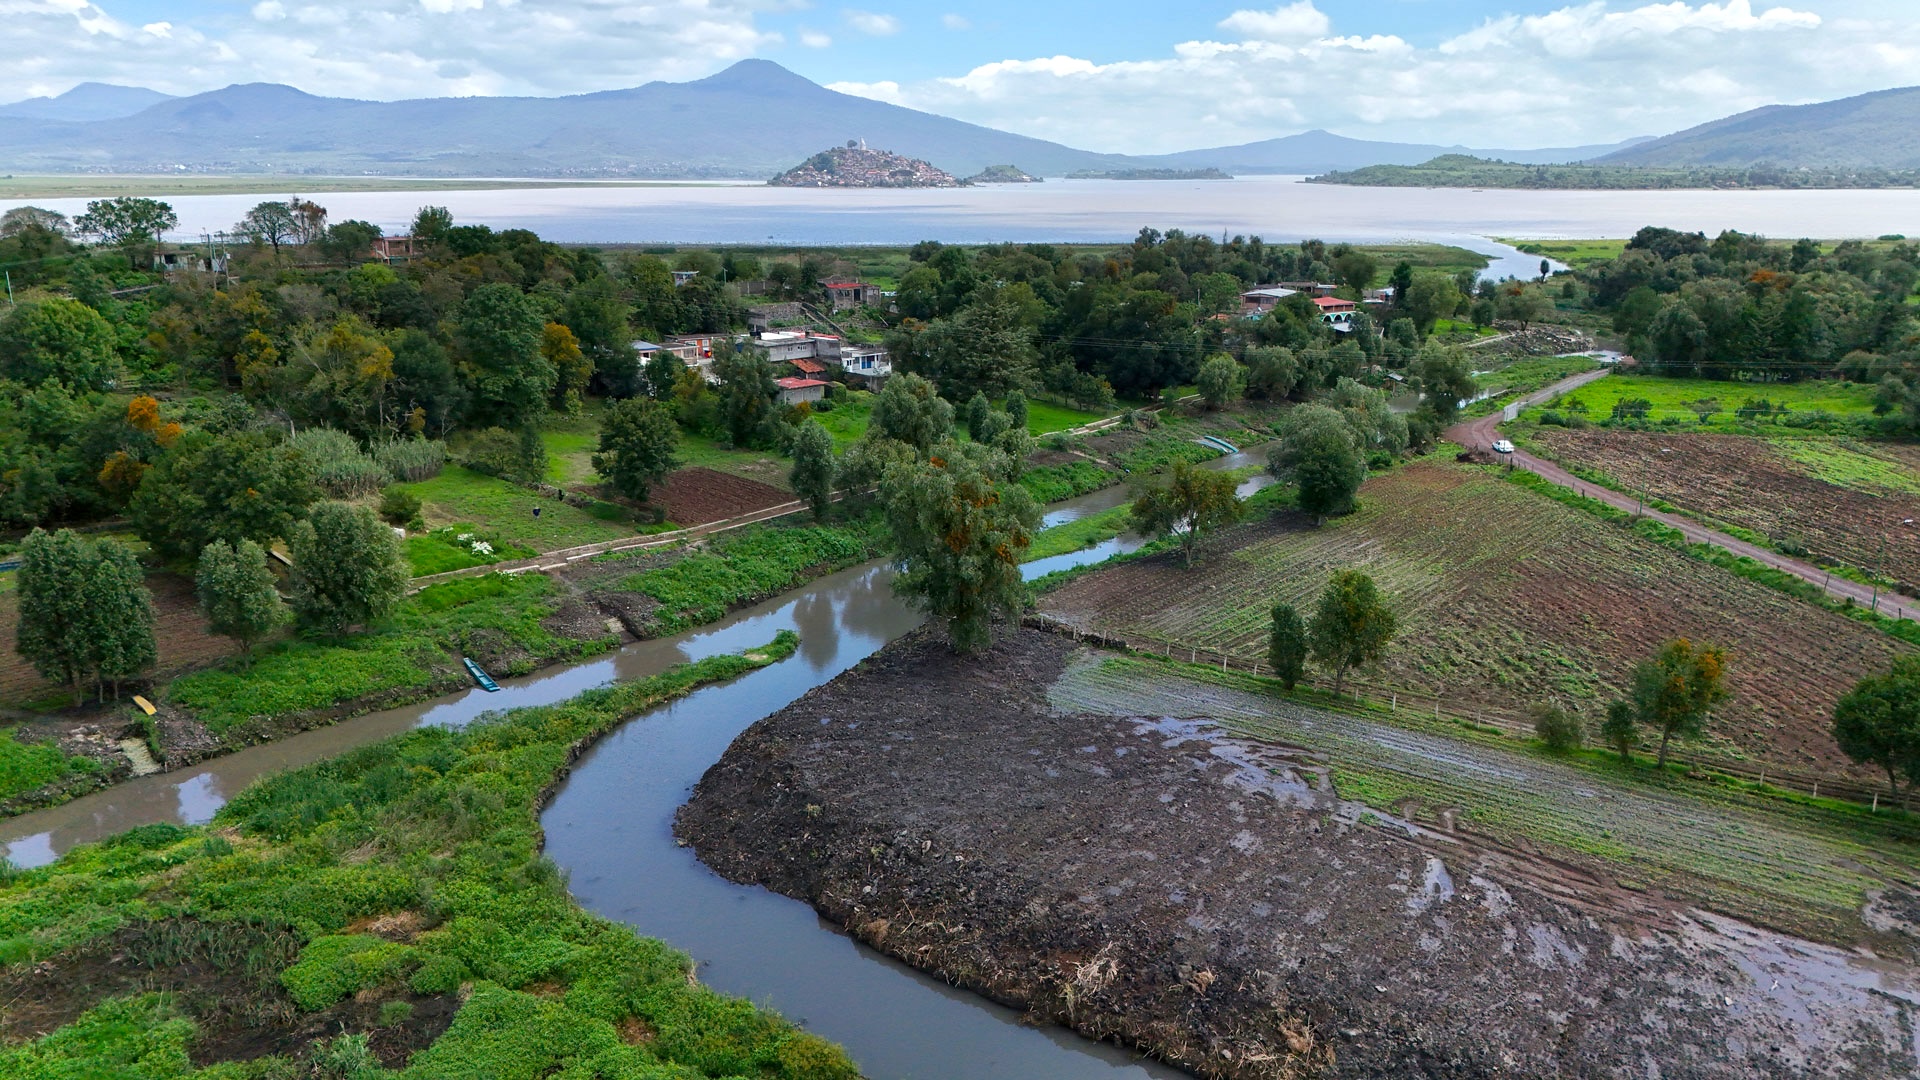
<point x="794" y="391"/>
<point x="869" y="365"/>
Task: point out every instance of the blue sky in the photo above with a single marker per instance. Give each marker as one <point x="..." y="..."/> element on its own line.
<point x="1119" y="75"/>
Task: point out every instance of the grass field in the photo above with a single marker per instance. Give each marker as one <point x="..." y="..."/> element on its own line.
<point x="505" y="510"/>
<point x="1045" y="417"/>
<point x="1521" y="377"/>
<point x="1575" y="253"/>
<point x="1806" y="866"/>
<point x="1506" y="600"/>
<point x="1670" y="398"/>
<point x="388" y="907"/>
<point x="848" y="420"/>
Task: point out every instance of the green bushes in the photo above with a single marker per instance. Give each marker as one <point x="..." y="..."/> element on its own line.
<point x="345" y="839"/>
<point x="28" y="766"/>
<point x="340" y="467"/>
<point x="748" y="566"/>
<point x="412" y="460"/>
<point x="1052" y="483"/>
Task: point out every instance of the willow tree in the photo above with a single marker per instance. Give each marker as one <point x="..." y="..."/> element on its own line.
<point x="959" y="536"/>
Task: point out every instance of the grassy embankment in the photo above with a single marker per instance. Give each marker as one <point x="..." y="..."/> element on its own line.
<point x="1522" y="377"/>
<point x="355" y="896"/>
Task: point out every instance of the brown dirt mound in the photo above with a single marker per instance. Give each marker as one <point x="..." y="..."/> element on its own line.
<point x="1212" y="903"/>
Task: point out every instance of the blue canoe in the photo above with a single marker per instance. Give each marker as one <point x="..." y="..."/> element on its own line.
<point x="486" y="681"/>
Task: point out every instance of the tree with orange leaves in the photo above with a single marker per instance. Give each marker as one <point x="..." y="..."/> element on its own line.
<point x="959" y="536"/>
<point x="1675" y="692"/>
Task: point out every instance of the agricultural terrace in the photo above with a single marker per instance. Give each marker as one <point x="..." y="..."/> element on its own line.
<point x="385" y="908"/>
<point x="1610" y="837"/>
<point x="1672" y="400"/>
<point x="1505" y="600"/>
<point x="1835" y="500"/>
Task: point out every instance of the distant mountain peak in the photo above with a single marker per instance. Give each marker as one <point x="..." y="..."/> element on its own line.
<point x="87" y="101"/>
<point x="757" y="75"/>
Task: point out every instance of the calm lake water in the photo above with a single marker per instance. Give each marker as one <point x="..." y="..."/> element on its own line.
<point x="1279" y="208"/>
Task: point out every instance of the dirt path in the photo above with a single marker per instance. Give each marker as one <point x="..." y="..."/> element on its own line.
<point x="1480" y="435"/>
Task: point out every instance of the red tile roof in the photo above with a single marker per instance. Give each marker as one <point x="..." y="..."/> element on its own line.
<point x="797" y="384"/>
<point x="809" y="366"/>
<point x="1331" y="301"/>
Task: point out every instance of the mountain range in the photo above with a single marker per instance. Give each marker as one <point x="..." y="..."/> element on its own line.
<point x="755" y="119"/>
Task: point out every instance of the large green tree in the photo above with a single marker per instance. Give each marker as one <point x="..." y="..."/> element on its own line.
<point x="121" y="611"/>
<point x="1193" y="502"/>
<point x="272" y="223"/>
<point x="130" y="223"/>
<point x="1878" y="722"/>
<point x="220" y="487"/>
<point x="1446" y="380"/>
<point x="1352" y="625"/>
<point x="639" y="446"/>
<point x="1432" y="297"/>
<point x="910" y="410"/>
<point x="55" y="631"/>
<point x="746" y="393"/>
<point x="812" y="475"/>
<point x="237" y="593"/>
<point x="348" y="568"/>
<point x="1220" y="381"/>
<point x="498" y="333"/>
<point x="58" y="340"/>
<point x="1675" y="691"/>
<point x="1288" y="646"/>
<point x="1317" y="451"/>
<point x="959" y="537"/>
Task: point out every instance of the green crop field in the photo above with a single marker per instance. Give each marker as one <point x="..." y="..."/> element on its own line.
<point x="1804" y="867"/>
<point x="1506" y="599"/>
<point x="1670" y="398"/>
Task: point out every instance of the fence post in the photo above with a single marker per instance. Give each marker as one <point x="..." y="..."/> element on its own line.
<point x="1395" y="707"/>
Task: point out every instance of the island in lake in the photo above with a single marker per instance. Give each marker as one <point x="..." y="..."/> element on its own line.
<point x="1002" y="174"/>
<point x="1464" y="170"/>
<point x="1149" y="174"/>
<point x="855" y="166"/>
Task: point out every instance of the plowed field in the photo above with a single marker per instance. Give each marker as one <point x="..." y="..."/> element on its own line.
<point x="1506" y="599"/>
<point x="1837" y="499"/>
<point x="179" y="631"/>
<point x="698" y="496"/>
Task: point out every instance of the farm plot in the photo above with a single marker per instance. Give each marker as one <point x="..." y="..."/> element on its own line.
<point x="1835" y="499"/>
<point x="1791" y="868"/>
<point x="179" y="632"/>
<point x="1672" y="400"/>
<point x="698" y="496"/>
<point x="1505" y="600"/>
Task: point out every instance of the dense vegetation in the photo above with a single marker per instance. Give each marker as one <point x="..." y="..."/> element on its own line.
<point x="1463" y="170"/>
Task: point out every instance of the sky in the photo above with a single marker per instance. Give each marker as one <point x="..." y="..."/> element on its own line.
<point x="1120" y="75"/>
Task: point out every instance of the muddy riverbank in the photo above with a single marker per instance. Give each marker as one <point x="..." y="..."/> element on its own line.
<point x="1214" y="903"/>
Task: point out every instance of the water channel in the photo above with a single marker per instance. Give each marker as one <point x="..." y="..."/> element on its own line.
<point x="610" y="829"/>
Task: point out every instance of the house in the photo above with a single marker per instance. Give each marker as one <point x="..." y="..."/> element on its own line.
<point x="1314" y="287"/>
<point x="810" y="369"/>
<point x="786" y="346"/>
<point x="199" y="260"/>
<point x="1264" y="299"/>
<point x="681" y="277"/>
<point x="394" y="250"/>
<point x="1336" y="313"/>
<point x="843" y="295"/>
<point x="868" y="366"/>
<point x="793" y="391"/>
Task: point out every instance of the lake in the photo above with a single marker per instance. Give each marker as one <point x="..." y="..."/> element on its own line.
<point x="1278" y="208"/>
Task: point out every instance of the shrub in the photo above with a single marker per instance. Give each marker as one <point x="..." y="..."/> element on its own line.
<point x="1557" y="728"/>
<point x="398" y="506"/>
<point x="502" y="453"/>
<point x="337" y="965"/>
<point x="412" y="460"/>
<point x="339" y="466"/>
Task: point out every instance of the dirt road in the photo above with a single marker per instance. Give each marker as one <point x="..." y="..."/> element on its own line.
<point x="1480" y="435"/>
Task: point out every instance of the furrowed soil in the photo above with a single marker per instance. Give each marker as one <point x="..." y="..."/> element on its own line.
<point x="1216" y="902"/>
<point x="1505" y="599"/>
<point x="179" y="632"/>
<point x="1838" y="499"/>
<point x="697" y="496"/>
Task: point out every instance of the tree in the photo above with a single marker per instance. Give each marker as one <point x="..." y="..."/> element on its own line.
<point x="1192" y="502"/>
<point x="1446" y="378"/>
<point x="1352" y="625"/>
<point x="120" y="611"/>
<point x="1015" y="406"/>
<point x="662" y="374"/>
<point x="30" y="219"/>
<point x="1522" y="305"/>
<point x="126" y="222"/>
<point x="1619" y="731"/>
<point x="812" y="475"/>
<point x="747" y="391"/>
<point x="1356" y="270"/>
<point x="1432" y="297"/>
<point x="571" y="367"/>
<point x="350" y="241"/>
<point x="1220" y="380"/>
<point x="1272" y="373"/>
<point x="638" y="445"/>
<point x="959" y="537"/>
<point x="348" y="568"/>
<point x="1317" y="451"/>
<point x="1878" y="722"/>
<point x="220" y="487"/>
<point x="1674" y="692"/>
<point x="271" y="223"/>
<point x="498" y="333"/>
<point x="58" y="340"/>
<point x="55" y="631"/>
<point x="1557" y="728"/>
<point x="1402" y="283"/>
<point x="431" y="225"/>
<point x="1546" y="269"/>
<point x="979" y="415"/>
<point x="1287" y="645"/>
<point x="911" y="411"/>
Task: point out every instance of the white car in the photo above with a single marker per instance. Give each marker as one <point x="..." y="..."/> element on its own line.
<point x="1503" y="447"/>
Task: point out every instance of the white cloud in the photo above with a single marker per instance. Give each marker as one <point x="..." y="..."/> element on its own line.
<point x="269" y="11"/>
<point x="814" y="39"/>
<point x="955" y="22"/>
<point x="1291" y="22"/>
<point x="1589" y="72"/>
<point x="872" y="22"/>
